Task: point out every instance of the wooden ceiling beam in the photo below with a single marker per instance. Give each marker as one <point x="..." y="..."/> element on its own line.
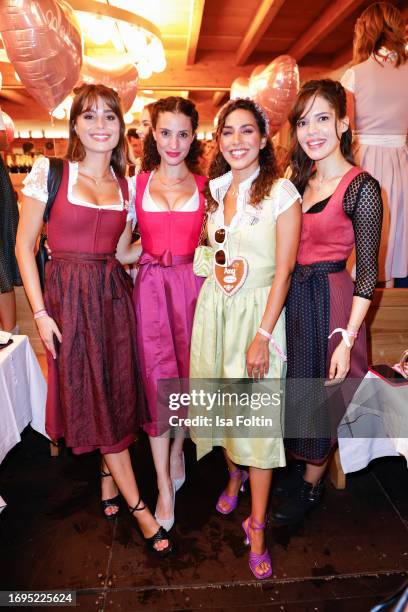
<point x="219" y="97"/>
<point x="264" y="16"/>
<point x="336" y="12"/>
<point x="18" y="97"/>
<point x="344" y="57"/>
<point x="196" y="17"/>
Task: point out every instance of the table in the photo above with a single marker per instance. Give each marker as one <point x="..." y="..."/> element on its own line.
<point x="23" y="393"/>
<point x="375" y="424"/>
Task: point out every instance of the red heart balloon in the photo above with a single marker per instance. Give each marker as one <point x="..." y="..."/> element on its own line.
<point x="123" y="79"/>
<point x="275" y="89"/>
<point x="43" y="41"/>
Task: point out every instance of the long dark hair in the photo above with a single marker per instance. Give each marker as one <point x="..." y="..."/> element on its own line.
<point x="334" y="93"/>
<point x="172" y="104"/>
<point x="268" y="167"/>
<point x="380" y="25"/>
<point x="85" y="97"/>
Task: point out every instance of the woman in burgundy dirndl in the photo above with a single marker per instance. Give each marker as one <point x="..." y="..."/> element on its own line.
<point x="325" y="310"/>
<point x="86" y="317"/>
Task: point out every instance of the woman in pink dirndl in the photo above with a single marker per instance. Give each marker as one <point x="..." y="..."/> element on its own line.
<point x="169" y="207"/>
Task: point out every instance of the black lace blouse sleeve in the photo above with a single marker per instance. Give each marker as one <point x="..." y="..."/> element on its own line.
<point x="363" y="204"/>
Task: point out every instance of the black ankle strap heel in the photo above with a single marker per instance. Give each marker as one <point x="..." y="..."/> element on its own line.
<point x="160" y="535"/>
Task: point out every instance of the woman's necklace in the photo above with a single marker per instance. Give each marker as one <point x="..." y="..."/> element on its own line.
<point x="170" y="185"/>
<point x="320" y="181"/>
<point x="96" y="179"/>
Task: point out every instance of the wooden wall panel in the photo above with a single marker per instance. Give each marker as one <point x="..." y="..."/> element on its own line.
<point x="387" y="324"/>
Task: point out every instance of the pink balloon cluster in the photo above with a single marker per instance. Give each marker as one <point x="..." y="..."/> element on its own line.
<point x="43" y="42"/>
<point x="274" y="87"/>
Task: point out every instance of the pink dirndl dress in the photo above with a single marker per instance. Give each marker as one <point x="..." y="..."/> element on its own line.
<point x="165" y="296"/>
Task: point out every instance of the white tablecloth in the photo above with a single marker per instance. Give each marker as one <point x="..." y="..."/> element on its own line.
<point x="23" y="392"/>
<point x="375" y="424"/>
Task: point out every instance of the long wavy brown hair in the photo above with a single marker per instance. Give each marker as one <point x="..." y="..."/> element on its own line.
<point x="332" y="91"/>
<point x="86" y="97"/>
<point x="380" y="25"/>
<point x="268" y="167"/>
<point x="172" y="104"/>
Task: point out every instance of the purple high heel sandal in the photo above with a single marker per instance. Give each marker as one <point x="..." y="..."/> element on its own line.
<point x="232" y="500"/>
<point x="255" y="559"/>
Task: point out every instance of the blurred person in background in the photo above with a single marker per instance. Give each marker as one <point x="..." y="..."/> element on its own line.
<point x="377" y="104"/>
<point x="9" y="274"/>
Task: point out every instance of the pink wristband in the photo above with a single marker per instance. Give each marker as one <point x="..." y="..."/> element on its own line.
<point x="40" y="314"/>
<point x="263" y="332"/>
<point x="275" y="345"/>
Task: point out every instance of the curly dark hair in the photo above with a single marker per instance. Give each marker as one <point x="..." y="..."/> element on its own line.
<point x="86" y="96"/>
<point x="172" y="104"/>
<point x="267" y="161"/>
<point x="332" y="91"/>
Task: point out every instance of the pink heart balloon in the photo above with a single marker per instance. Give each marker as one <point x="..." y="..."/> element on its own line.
<point x="275" y="88"/>
<point x="43" y="42"/>
<point x="123" y="79"/>
<point x="239" y="88"/>
<point x="257" y="70"/>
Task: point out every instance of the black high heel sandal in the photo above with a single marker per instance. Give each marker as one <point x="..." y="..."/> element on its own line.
<point x="160" y="535"/>
<point x="109" y="503"/>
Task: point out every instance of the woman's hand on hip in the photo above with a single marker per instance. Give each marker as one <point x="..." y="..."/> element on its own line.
<point x="48" y="331"/>
<point x="257" y="357"/>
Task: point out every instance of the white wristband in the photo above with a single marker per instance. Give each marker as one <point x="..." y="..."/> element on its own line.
<point x="346" y="335"/>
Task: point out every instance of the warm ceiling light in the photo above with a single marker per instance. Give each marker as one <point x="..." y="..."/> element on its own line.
<point x="145" y="69"/>
<point x="134" y="38"/>
<point x="99" y="30"/>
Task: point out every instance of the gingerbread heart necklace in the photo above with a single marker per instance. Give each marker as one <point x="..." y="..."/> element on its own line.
<point x="231" y="275"/>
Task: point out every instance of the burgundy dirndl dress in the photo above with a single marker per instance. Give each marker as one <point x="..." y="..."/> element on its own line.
<point x="319" y="301"/>
<point x="92" y="385"/>
<point x="165" y="295"/>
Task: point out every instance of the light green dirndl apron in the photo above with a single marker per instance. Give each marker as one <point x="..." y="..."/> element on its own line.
<point x="224" y="327"/>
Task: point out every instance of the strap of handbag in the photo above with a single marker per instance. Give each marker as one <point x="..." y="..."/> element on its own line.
<point x="53" y="182"/>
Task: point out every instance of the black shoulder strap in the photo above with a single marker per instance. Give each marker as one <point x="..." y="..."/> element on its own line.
<point x="53" y="182"/>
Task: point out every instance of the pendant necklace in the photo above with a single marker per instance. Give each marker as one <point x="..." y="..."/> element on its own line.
<point x="321" y="180"/>
<point x="170" y="185"/>
<point x="96" y="179"/>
